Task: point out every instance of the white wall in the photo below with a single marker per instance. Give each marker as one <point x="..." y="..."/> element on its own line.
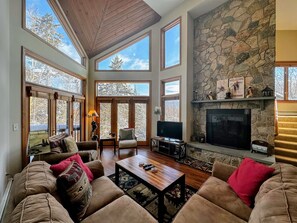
<point x="18" y="38"/>
<point x="4" y="92"/>
<point x="286" y="47"/>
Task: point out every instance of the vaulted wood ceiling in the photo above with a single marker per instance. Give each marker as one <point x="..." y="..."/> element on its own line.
<point x="100" y="24"/>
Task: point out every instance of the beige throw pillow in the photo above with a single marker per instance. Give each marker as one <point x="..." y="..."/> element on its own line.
<point x="71" y="144"/>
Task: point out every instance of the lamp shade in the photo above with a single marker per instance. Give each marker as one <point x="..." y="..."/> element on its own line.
<point x="92" y="113"/>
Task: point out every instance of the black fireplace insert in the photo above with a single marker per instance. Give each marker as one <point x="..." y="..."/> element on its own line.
<point x="229" y="127"/>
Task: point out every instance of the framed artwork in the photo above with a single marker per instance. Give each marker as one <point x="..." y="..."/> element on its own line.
<point x="236" y="86"/>
<point x="222" y="88"/>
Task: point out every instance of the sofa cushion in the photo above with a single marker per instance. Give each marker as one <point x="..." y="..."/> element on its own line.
<point x="60" y="167"/>
<point x="220" y="193"/>
<point x="35" y="178"/>
<point x="57" y="144"/>
<point x="70" y="144"/>
<point x="276" y="200"/>
<point x="75" y="190"/>
<point x="104" y="192"/>
<point x="40" y="208"/>
<point x="198" y="209"/>
<point x="247" y="179"/>
<point x="122" y="210"/>
<point x="127" y="143"/>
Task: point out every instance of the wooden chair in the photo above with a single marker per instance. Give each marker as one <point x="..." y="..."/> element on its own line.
<point x="127" y="139"/>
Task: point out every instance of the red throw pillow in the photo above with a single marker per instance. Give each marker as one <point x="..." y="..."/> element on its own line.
<point x="60" y="167"/>
<point x="247" y="179"/>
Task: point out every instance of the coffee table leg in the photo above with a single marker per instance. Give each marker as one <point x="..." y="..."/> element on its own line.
<point x="182" y="188"/>
<point x="160" y="207"/>
<point x="117" y="174"/>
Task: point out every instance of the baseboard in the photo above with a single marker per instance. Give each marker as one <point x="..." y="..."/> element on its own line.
<point x="5" y="198"/>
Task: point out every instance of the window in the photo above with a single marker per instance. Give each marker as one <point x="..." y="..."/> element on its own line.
<point x="286" y="82"/>
<point x="170" y="99"/>
<point x="124" y="105"/>
<point x="38" y="72"/>
<point x="123" y="89"/>
<point x="134" y="56"/>
<point x="171" y="45"/>
<point x="52" y="99"/>
<point x="41" y="20"/>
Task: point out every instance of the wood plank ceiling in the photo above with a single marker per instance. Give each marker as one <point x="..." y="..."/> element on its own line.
<point x="100" y="24"/>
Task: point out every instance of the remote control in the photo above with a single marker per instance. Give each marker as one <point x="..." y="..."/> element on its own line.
<point x="148" y="167"/>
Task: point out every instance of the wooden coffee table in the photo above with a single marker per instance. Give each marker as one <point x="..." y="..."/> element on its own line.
<point x="160" y="182"/>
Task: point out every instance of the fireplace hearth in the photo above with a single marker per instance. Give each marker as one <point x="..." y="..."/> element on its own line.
<point x="229" y="127"/>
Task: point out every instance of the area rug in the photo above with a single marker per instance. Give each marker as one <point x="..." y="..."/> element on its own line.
<point x="149" y="200"/>
<point x="197" y="164"/>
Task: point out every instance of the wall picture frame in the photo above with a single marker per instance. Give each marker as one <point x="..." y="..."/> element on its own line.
<point x="236" y="86"/>
<point x="222" y="88"/>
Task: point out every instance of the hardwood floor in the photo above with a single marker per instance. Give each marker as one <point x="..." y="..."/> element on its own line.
<point x="194" y="178"/>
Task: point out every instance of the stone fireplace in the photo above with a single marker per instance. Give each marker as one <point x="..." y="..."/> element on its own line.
<point x="237" y="39"/>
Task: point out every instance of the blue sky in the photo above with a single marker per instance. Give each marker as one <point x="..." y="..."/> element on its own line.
<point x="172" y="87"/>
<point x="134" y="57"/>
<point x="172" y="46"/>
<point x="42" y="7"/>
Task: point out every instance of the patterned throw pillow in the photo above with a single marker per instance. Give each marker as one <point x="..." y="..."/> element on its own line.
<point x="71" y="145"/>
<point x="75" y="190"/>
<point x="57" y="143"/>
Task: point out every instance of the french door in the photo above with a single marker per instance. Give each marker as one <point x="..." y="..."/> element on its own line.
<point x="117" y="113"/>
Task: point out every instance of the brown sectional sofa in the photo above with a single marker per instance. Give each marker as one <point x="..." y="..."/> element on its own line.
<point x="275" y="202"/>
<point x="34" y="198"/>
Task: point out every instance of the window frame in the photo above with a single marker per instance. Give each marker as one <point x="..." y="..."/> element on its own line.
<point x="162" y="47"/>
<point x="66" y="26"/>
<point x="286" y="65"/>
<point x="164" y="97"/>
<point x="30" y="89"/>
<point x="137" y="39"/>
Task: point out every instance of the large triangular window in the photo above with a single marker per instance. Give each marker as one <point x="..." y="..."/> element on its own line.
<point x="134" y="56"/>
<point x="41" y="20"/>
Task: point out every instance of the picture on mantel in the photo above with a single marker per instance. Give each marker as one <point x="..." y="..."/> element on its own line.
<point x="222" y="88"/>
<point x="236" y="86"/>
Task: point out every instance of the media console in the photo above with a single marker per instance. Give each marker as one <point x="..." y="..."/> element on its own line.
<point x="169" y="147"/>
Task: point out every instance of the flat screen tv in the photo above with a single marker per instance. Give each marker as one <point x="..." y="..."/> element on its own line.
<point x="171" y="130"/>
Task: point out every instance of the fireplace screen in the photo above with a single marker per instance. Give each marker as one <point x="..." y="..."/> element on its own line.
<point x="229" y="127"/>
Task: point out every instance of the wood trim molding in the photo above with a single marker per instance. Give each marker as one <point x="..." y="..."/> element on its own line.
<point x="162" y="42"/>
<point x="124" y="46"/>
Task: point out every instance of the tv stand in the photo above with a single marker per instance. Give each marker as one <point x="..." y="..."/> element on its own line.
<point x="170" y="147"/>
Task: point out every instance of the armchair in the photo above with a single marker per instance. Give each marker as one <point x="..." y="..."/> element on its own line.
<point x="127" y="139"/>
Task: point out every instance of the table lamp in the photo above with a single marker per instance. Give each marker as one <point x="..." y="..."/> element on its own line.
<point x="93" y="114"/>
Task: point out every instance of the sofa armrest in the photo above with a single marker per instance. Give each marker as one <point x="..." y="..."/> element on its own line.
<point x="87" y="145"/>
<point x="54" y="158"/>
<point x="222" y="171"/>
<point x="96" y="168"/>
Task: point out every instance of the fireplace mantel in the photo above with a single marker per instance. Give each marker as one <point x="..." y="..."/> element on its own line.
<point x="260" y="99"/>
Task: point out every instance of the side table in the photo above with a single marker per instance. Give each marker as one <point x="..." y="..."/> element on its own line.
<point x="110" y="139"/>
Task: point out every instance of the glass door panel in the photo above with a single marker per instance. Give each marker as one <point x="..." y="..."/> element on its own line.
<point x="105" y="119"/>
<point x="62" y="117"/>
<point x="141" y="121"/>
<point x="39" y="121"/>
<point x="77" y="121"/>
<point x="122" y="116"/>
